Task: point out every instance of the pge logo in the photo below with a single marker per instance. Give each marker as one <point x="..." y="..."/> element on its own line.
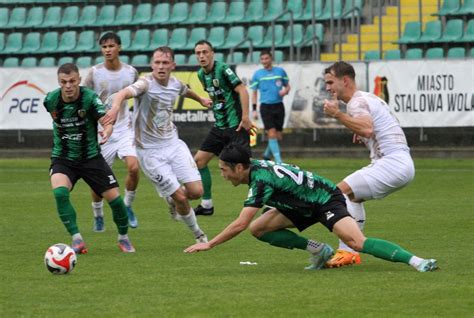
<point x="23" y="105"/>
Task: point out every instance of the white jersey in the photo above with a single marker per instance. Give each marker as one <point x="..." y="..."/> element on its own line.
<point x="152" y="116"/>
<point x="105" y="83"/>
<point x="388" y="136"/>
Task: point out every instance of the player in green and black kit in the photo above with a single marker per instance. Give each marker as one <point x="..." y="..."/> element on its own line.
<point x="76" y="154"/>
<point x="299" y="199"/>
<point x="231" y="111"/>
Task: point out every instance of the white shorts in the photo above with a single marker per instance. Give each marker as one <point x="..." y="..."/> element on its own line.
<point x="120" y="145"/>
<point x="382" y="177"/>
<point x="168" y="167"/>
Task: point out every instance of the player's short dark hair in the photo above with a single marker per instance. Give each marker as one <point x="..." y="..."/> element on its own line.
<point x="206" y="42"/>
<point x="68" y="68"/>
<point x="233" y="154"/>
<point x="266" y="52"/>
<point x="165" y="50"/>
<point x="341" y="69"/>
<point x="110" y="36"/>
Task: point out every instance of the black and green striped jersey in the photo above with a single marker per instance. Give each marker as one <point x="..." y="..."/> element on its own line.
<point x="75" y="124"/>
<point x="220" y="84"/>
<point x="287" y="188"/>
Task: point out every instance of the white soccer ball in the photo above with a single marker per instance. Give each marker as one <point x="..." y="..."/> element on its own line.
<point x="60" y="259"/>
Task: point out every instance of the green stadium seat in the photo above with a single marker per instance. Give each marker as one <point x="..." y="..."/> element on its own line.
<point x="218" y="56"/>
<point x="142" y="14"/>
<point x="467" y="8"/>
<point x="255" y="34"/>
<point x="17" y="18"/>
<point x="434" y="53"/>
<point x="192" y="59"/>
<point x="274" y="8"/>
<point x="88" y="16"/>
<point x="159" y="38"/>
<point x="70" y="16"/>
<point x="234" y="36"/>
<point x="13" y="43"/>
<point x="34" y="18"/>
<point x="255" y="57"/>
<point x="414" y="54"/>
<point x="178" y="38"/>
<point x="65" y="59"/>
<point x="125" y="59"/>
<point x="180" y="59"/>
<point x="255" y="11"/>
<point x="295" y="6"/>
<point x="318" y="10"/>
<point x="449" y="7"/>
<point x="67" y="42"/>
<point x="124" y="15"/>
<point x="456" y="53"/>
<point x="195" y="35"/>
<point x="216" y="37"/>
<point x="392" y="55"/>
<point x="318" y="30"/>
<point x="126" y="38"/>
<point x="235" y="58"/>
<point x="4" y="12"/>
<point x="31" y="44"/>
<point x="298" y="35"/>
<point x="279" y="56"/>
<point x="29" y="62"/>
<point x="469" y="33"/>
<point x="141" y="40"/>
<point x="471" y="52"/>
<point x="349" y="6"/>
<point x="11" y="62"/>
<point x="106" y="15"/>
<point x="198" y="13"/>
<point x="47" y="61"/>
<point x="52" y="17"/>
<point x="411" y="34"/>
<point x="2" y="41"/>
<point x="217" y="12"/>
<point x="268" y="39"/>
<point x="453" y="31"/>
<point x="372" y="56"/>
<point x="161" y="14"/>
<point x="236" y="12"/>
<point x="86" y="42"/>
<point x="179" y="13"/>
<point x="432" y="32"/>
<point x="99" y="59"/>
<point x="49" y="42"/>
<point x="336" y="10"/>
<point x="84" y="61"/>
<point x="140" y="60"/>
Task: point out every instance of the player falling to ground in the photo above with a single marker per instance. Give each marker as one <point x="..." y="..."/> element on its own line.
<point x="164" y="158"/>
<point x="76" y="154"/>
<point x="272" y="83"/>
<point x="299" y="199"/>
<point x="372" y="123"/>
<point x="230" y="105"/>
<point x="106" y="79"/>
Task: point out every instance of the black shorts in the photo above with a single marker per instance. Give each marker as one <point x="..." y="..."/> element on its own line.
<point x="327" y="214"/>
<point x="95" y="172"/>
<point x="273" y="116"/>
<point x="217" y="139"/>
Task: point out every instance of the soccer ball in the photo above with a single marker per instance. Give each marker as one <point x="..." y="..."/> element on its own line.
<point x="60" y="259"/>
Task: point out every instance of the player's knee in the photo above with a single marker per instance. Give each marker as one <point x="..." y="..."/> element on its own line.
<point x="256" y="230"/>
<point x="133" y="169"/>
<point x="195" y="193"/>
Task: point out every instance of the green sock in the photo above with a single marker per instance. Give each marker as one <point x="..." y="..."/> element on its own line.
<point x="386" y="250"/>
<point x="66" y="211"/>
<point x="119" y="212"/>
<point x="285" y="238"/>
<point x="206" y="182"/>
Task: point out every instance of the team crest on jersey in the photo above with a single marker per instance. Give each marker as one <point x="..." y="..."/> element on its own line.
<point x="81" y="113"/>
<point x="215" y="82"/>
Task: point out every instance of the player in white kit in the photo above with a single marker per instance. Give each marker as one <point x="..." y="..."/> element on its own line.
<point x="372" y="123"/>
<point x="107" y="79"/>
<point x="164" y="158"/>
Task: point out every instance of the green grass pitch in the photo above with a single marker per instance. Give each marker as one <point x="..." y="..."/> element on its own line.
<point x="432" y="217"/>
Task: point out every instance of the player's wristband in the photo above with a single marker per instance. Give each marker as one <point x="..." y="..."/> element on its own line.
<point x="254" y="107"/>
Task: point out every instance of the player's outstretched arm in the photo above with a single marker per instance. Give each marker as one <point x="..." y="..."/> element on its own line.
<point x="111" y="115"/>
<point x="206" y="102"/>
<point x="231" y="231"/>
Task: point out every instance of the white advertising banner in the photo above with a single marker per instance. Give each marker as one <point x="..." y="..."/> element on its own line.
<point x="426" y="94"/>
<point x="22" y="92"/>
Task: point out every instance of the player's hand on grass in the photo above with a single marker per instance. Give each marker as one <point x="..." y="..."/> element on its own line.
<point x="198" y="247"/>
<point x="331" y="107"/>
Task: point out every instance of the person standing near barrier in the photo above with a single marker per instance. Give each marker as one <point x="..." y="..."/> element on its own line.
<point x="372" y="123"/>
<point x="272" y="83"/>
<point x="106" y="79"/>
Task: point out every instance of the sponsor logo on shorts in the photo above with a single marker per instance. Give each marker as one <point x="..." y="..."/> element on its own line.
<point x="111" y="179"/>
<point x="329" y="215"/>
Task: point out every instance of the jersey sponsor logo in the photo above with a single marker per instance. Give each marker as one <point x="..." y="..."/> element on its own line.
<point x="329" y="215"/>
<point x="112" y="179"/>
<point x="74" y="137"/>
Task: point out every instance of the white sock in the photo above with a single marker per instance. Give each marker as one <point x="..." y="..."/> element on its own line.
<point x="98" y="208"/>
<point x="129" y="197"/>
<point x="191" y="221"/>
<point x="314" y="247"/>
<point x="207" y="203"/>
<point x="123" y="237"/>
<point x="415" y="261"/>
<point x="357" y="211"/>
<point x="77" y="236"/>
